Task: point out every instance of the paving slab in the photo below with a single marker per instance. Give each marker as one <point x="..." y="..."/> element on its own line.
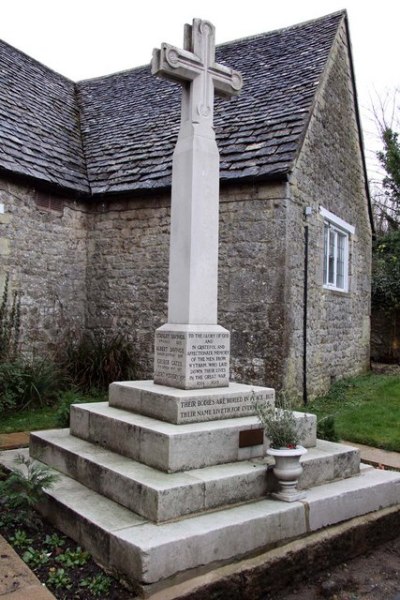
<point x="378" y="457"/>
<point x="11" y="441"/>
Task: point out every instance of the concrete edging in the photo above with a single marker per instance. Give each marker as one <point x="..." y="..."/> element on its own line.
<point x="17" y="582"/>
<point x="288" y="564"/>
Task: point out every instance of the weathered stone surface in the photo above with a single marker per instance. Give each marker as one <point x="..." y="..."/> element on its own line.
<point x="330" y="174"/>
<point x="158" y="496"/>
<point x="187" y="406"/>
<point x="148" y="553"/>
<point x="47" y="265"/>
<point x="191" y="356"/>
<point x="167" y="446"/>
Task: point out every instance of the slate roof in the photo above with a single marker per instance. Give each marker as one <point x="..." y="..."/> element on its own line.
<point x="39" y="123"/>
<point x="117" y="133"/>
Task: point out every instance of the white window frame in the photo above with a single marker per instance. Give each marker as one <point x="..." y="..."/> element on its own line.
<point x="336" y="230"/>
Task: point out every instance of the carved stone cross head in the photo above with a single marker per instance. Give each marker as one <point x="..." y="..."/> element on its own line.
<point x="195" y="68"/>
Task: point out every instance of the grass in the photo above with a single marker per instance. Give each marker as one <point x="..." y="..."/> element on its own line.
<point x="366" y="410"/>
<point x="29" y="420"/>
<point x="44" y="417"/>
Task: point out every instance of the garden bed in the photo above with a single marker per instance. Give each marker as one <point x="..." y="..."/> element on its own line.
<point x="67" y="570"/>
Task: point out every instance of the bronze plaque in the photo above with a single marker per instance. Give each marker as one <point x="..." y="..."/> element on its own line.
<point x="251" y="437"/>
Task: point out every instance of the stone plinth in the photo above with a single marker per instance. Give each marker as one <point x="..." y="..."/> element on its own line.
<point x="158" y="553"/>
<point x="167" y="447"/>
<point x="192" y="356"/>
<point x="188" y="406"/>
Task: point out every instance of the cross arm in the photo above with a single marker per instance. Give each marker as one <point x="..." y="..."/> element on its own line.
<point x="174" y="63"/>
<point x="227" y="82"/>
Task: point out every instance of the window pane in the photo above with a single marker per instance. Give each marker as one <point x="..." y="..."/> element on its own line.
<point x="331" y="259"/>
<point x="340" y="261"/>
<point x="326" y="236"/>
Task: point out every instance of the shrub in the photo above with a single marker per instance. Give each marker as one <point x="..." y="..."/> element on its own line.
<point x="36" y="383"/>
<point x="96" y="359"/>
<point x="326" y="429"/>
<point x="21" y="492"/>
<point x="386" y="271"/>
<point x="66" y="399"/>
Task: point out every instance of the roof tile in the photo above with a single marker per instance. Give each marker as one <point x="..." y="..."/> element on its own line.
<point x="117" y="133"/>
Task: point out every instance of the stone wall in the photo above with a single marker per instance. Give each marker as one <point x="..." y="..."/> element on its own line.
<point x="128" y="241"/>
<point x="43" y="248"/>
<point x="104" y="264"/>
<point x="329" y="173"/>
<point x="385" y="335"/>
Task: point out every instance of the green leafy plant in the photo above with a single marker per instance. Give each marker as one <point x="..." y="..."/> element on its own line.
<point x="326" y="429"/>
<point x="54" y="541"/>
<point x="98" y="585"/>
<point x="10" y="323"/>
<point x="73" y="558"/>
<point x="24" y="489"/>
<point x="58" y="578"/>
<point x="96" y="359"/>
<point x="280" y="424"/>
<point x="63" y="411"/>
<point x="20" y="539"/>
<point x="35" y="558"/>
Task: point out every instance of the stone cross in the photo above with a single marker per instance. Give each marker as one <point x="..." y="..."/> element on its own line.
<point x="196" y="64"/>
<point x="193" y="265"/>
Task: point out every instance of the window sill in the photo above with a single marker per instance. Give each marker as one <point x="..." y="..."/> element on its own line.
<point x="339" y="291"/>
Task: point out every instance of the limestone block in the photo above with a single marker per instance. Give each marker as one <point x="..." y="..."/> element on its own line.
<point x="192" y="356"/>
<point x="167" y="446"/>
<point x="188" y="406"/>
<point x="5" y="218"/>
<point x="203" y="540"/>
<point x="4" y="246"/>
<point x="343" y="500"/>
<point x="232" y="483"/>
<point x="79" y="422"/>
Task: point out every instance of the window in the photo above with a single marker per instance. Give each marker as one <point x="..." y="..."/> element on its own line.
<point x="47" y="202"/>
<point x="336" y="251"/>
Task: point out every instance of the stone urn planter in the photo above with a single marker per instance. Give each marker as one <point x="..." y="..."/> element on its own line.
<point x="287" y="470"/>
<point x="284" y="434"/>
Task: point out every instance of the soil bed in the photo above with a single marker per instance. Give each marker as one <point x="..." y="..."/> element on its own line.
<point x="372" y="576"/>
<point x="57" y="561"/>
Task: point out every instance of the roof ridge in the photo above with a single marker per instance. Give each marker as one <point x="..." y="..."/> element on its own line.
<point x="342" y="12"/>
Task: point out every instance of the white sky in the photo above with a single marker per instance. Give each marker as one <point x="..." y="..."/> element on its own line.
<point x="87" y="38"/>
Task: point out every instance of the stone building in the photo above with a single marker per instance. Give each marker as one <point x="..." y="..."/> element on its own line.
<point x="85" y="200"/>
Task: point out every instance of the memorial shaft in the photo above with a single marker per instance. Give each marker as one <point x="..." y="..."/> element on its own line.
<point x="193" y="266"/>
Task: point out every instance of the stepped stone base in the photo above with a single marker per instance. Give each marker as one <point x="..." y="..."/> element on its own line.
<point x="159" y="496"/>
<point x="170" y="447"/>
<point x="159" y="501"/>
<point x="152" y="555"/>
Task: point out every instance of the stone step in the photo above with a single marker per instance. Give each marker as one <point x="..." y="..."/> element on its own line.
<point x="169" y="447"/>
<point x="147" y="553"/>
<point x="188" y="406"/>
<point x="159" y="496"/>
